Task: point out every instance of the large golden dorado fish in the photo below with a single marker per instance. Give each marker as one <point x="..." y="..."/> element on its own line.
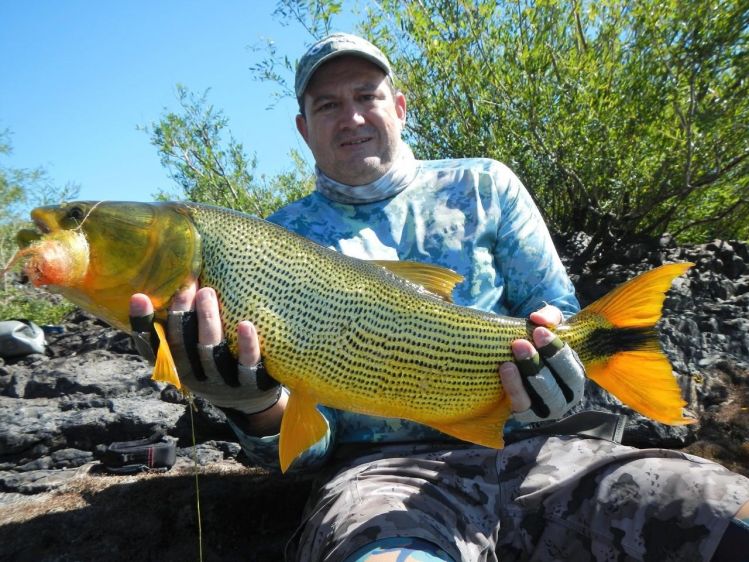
<point x="378" y="338"/>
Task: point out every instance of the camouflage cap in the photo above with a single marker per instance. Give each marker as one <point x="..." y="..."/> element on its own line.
<point x="332" y="46"/>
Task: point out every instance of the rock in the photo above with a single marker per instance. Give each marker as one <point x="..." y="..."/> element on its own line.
<point x="59" y="411"/>
<point x="35" y="481"/>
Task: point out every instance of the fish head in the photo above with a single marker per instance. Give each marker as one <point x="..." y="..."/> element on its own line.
<point x="97" y="254"/>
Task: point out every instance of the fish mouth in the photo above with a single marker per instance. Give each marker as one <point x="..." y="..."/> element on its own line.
<point x="40" y="217"/>
<point x="27" y="236"/>
<point x="42" y="226"/>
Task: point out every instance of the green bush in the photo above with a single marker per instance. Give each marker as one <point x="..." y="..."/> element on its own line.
<point x="622" y="118"/>
<point x="201" y="155"/>
<point x="24" y="301"/>
<point x="21" y="189"/>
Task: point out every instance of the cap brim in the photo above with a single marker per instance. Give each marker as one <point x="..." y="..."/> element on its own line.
<point x="330" y="56"/>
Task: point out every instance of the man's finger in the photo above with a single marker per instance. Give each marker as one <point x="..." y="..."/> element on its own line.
<point x="513" y="386"/>
<point x="549" y="316"/>
<point x="140" y="305"/>
<point x="141" y="323"/>
<point x="210" y="331"/>
<point x="533" y="378"/>
<point x="249" y="346"/>
<point x="565" y="366"/>
<point x="185" y="299"/>
<point x="562" y="362"/>
<point x="543" y="337"/>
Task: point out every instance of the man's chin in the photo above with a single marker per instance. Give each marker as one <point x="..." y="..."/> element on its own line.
<point x="361" y="172"/>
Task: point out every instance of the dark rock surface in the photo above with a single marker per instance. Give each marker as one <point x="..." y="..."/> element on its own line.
<point x="59" y="411"/>
<point x="704" y="332"/>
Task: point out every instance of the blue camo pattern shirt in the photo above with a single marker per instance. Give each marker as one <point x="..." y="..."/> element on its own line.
<point x="473" y="216"/>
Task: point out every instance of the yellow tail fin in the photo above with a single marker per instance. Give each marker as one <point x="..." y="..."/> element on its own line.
<point x="638" y="373"/>
<point x="639" y="302"/>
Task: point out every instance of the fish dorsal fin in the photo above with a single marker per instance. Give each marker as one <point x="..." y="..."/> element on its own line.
<point x="164" y="369"/>
<point x="302" y="426"/>
<point x="438" y="280"/>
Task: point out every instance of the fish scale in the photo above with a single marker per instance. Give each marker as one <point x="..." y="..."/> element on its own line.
<point x="384" y="324"/>
<point x="338" y="331"/>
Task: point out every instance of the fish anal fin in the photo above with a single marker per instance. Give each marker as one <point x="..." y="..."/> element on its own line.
<point x="301" y="427"/>
<point x="644" y="381"/>
<point x="485" y="429"/>
<point x="164" y="369"/>
<point x="639" y="301"/>
<point x="436" y="279"/>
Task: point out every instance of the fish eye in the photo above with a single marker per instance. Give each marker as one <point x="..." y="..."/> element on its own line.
<point x="76" y="213"/>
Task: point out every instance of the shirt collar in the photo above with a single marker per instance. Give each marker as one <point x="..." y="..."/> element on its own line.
<point x="395" y="180"/>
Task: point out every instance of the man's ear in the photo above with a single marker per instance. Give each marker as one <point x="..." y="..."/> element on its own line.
<point x="400" y="106"/>
<point x="301" y="126"/>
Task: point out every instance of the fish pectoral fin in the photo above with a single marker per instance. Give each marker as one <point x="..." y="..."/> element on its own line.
<point x="164" y="369"/>
<point x="485" y="429"/>
<point x="301" y="427"/>
<point x="438" y="280"/>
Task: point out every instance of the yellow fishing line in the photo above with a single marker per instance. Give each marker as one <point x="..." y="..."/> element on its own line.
<point x="190" y="407"/>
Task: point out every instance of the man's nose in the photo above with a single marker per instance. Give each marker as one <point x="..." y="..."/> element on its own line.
<point x="352" y="114"/>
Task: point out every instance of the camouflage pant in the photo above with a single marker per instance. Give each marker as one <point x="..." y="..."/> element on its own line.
<point x="541" y="499"/>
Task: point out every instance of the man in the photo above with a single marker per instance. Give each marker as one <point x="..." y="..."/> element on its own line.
<point x="395" y="490"/>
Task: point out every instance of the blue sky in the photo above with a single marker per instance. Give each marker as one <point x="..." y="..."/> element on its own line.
<point x="77" y="77"/>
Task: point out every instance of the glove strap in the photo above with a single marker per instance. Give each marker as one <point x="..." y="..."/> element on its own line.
<point x="144" y="337"/>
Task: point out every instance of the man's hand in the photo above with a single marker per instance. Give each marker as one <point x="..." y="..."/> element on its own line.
<point x="204" y="363"/>
<point x="543" y="385"/>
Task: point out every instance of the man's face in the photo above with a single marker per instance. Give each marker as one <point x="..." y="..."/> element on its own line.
<point x="352" y="121"/>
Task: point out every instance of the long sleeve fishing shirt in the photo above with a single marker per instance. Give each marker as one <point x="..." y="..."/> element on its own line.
<point x="473" y="216"/>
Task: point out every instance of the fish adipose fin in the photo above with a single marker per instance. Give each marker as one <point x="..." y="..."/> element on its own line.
<point x="302" y="426"/>
<point x="164" y="370"/>
<point x="485" y="429"/>
<point x="435" y="279"/>
<point x="627" y="357"/>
